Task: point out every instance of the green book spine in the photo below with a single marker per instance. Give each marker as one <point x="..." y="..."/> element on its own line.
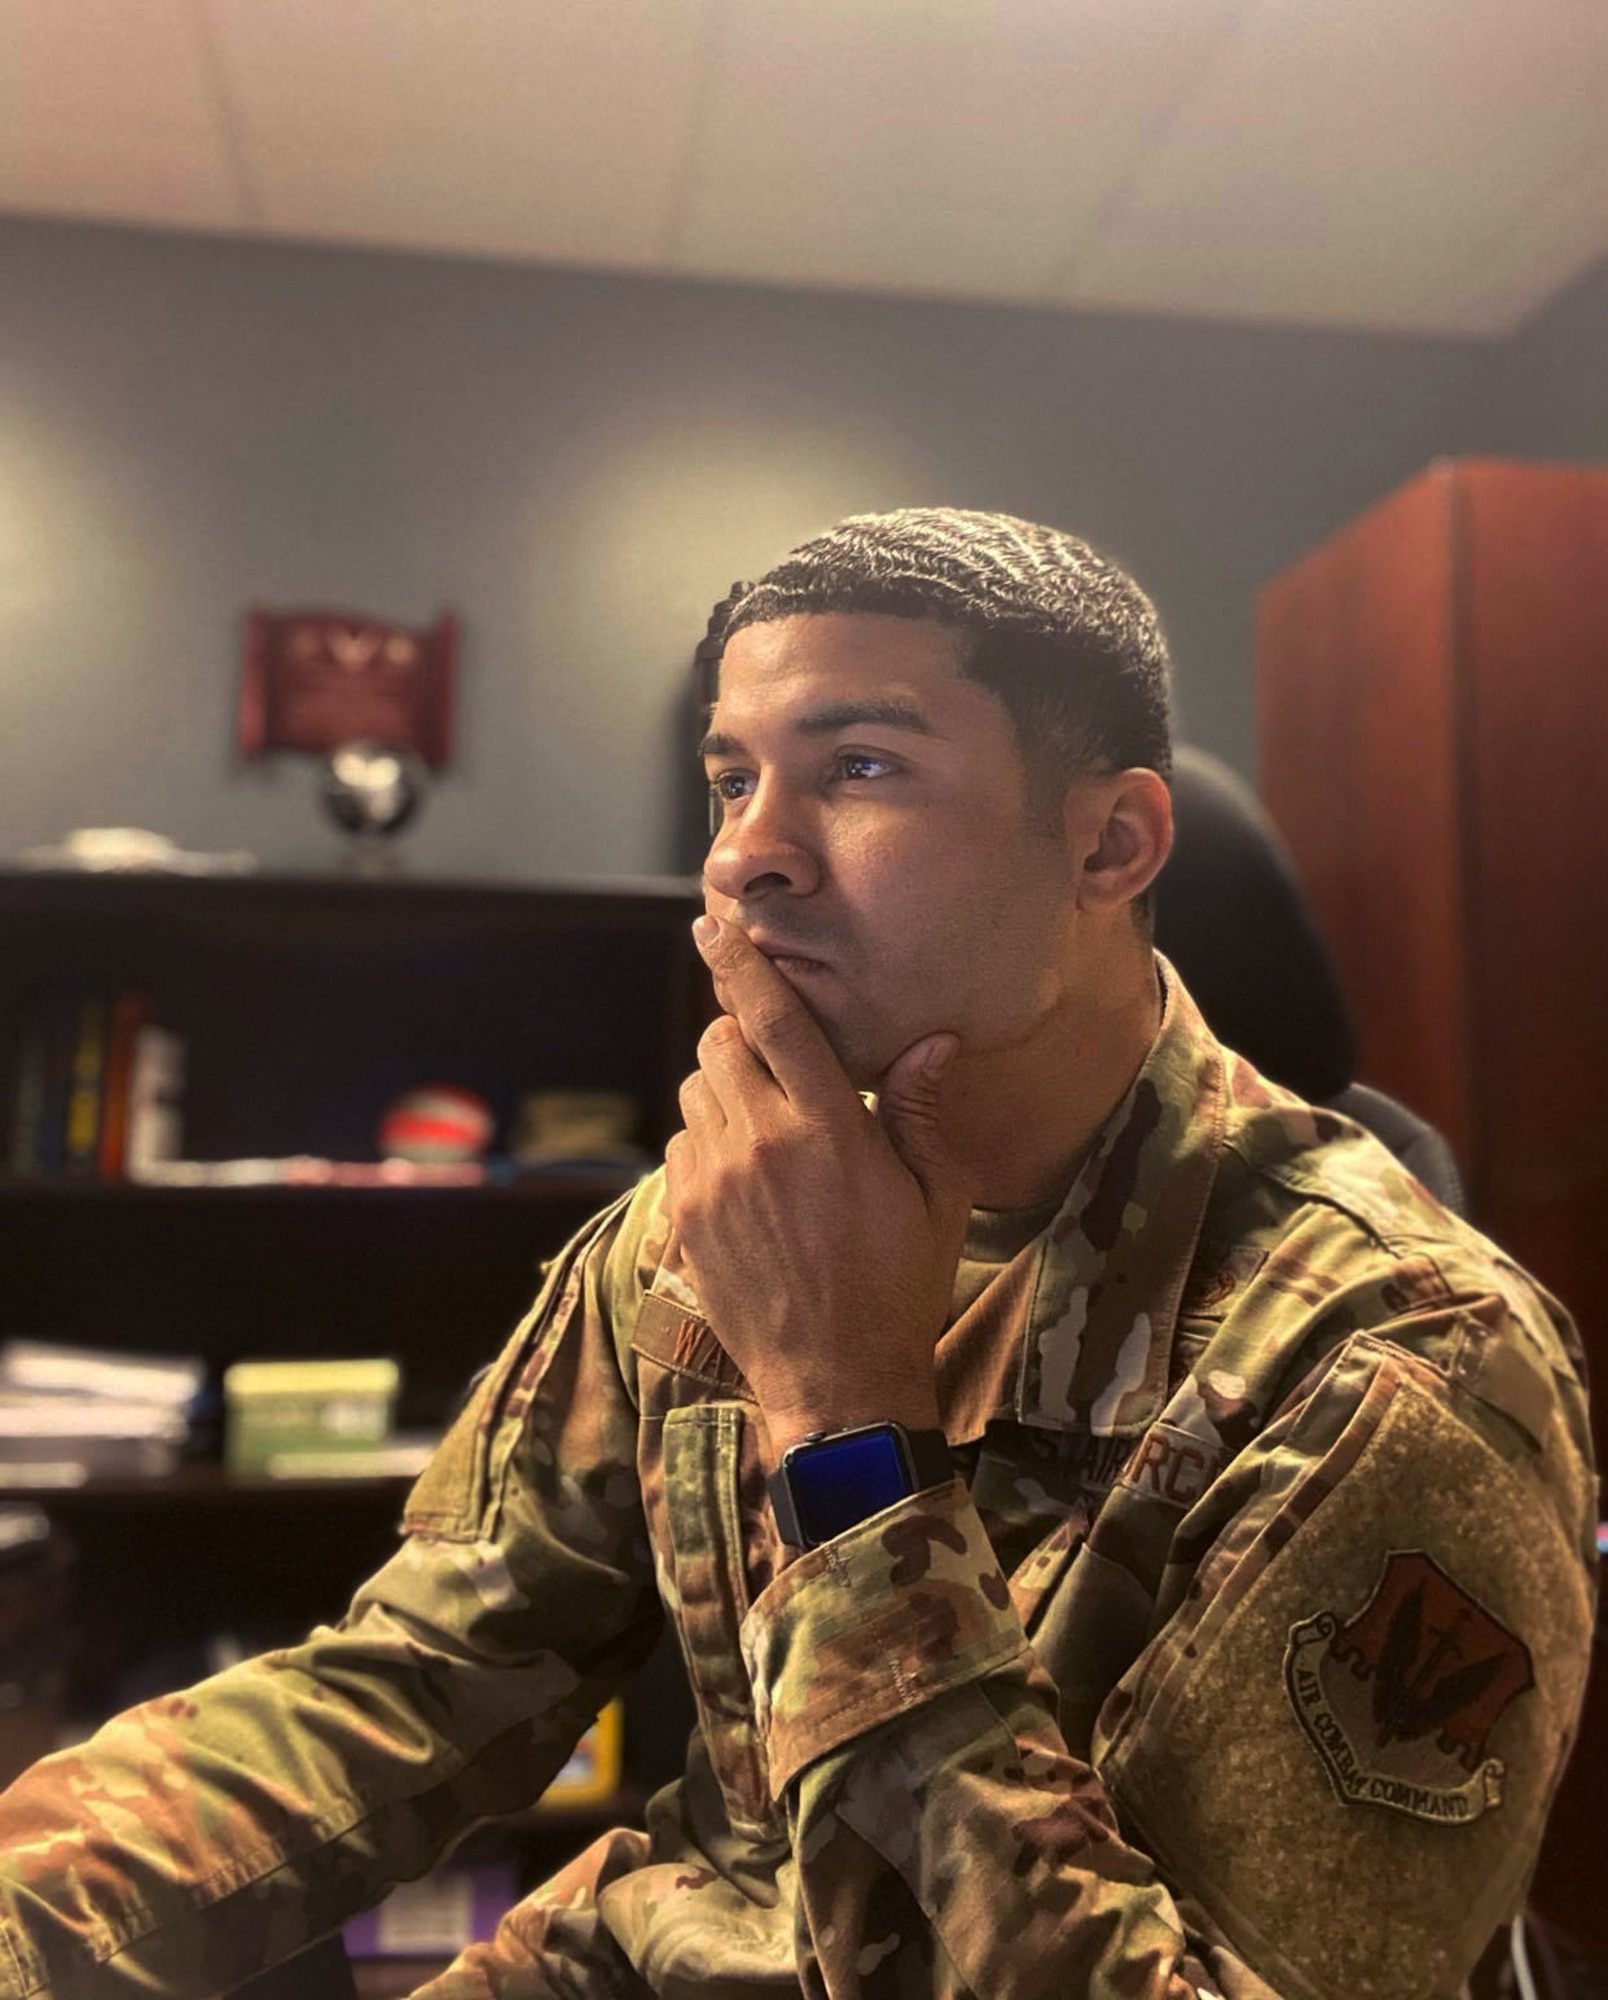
<point x="84" y="1083"/>
<point x="25" y="1133"/>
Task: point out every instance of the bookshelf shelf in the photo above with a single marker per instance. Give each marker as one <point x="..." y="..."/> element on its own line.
<point x="203" y="1485"/>
<point x="531" y="1191"/>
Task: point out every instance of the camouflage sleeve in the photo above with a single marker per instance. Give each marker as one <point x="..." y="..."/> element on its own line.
<point x="200" y="1836"/>
<point x="1324" y="1775"/>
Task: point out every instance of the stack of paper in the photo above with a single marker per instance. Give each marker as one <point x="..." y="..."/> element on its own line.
<point x="69" y="1414"/>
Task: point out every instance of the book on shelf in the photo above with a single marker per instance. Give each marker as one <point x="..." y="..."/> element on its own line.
<point x="86" y="1085"/>
<point x="25" y="1096"/>
<point x="131" y="1012"/>
<point x="42" y="1043"/>
<point x="67" y="1440"/>
<point x="94" y="1090"/>
<point x="58" y="1041"/>
<point x="154" y="1133"/>
<point x="57" y="1368"/>
<point x="72" y="1414"/>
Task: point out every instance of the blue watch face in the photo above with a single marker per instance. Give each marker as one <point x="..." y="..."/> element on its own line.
<point x="842" y="1481"/>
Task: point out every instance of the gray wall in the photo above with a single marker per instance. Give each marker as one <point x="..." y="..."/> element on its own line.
<point x="581" y="464"/>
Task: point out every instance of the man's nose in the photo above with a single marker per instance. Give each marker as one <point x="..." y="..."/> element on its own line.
<point x="766" y="847"/>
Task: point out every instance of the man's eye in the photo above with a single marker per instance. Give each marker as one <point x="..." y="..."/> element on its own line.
<point x="722" y="790"/>
<point x="851" y="763"/>
<point x="728" y="788"/>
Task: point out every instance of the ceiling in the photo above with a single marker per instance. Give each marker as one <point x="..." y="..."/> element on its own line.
<point x="1435" y="166"/>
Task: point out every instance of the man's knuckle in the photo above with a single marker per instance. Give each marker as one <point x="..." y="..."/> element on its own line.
<point x="722" y="1033"/>
<point x="775" y="1020"/>
<point x="768" y="1147"/>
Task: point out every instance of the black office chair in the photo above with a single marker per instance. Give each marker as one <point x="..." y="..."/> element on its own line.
<point x="1232" y="916"/>
<point x="1415" y="1142"/>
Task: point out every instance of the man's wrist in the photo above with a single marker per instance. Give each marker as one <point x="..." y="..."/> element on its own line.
<point x="798" y="1423"/>
<point x="833" y="1480"/>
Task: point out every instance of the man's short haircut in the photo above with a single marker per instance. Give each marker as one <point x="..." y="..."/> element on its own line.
<point x="1069" y="644"/>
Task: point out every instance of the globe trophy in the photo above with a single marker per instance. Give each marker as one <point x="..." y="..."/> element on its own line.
<point x="371" y="790"/>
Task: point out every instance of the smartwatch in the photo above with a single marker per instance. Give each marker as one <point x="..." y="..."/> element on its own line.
<point x="830" y="1481"/>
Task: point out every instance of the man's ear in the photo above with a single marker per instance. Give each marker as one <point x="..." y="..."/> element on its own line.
<point x="1121" y="829"/>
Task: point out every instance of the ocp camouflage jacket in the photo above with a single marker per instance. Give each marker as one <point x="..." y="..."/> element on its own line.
<point x="1241" y="1656"/>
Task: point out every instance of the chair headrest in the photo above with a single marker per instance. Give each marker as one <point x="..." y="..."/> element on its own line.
<point x="1232" y="916"/>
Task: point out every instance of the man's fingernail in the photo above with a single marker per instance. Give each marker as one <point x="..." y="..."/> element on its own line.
<point x="705" y="930"/>
<point x="938" y="1058"/>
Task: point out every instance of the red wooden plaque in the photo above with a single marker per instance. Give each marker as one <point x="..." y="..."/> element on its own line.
<point x="313" y="679"/>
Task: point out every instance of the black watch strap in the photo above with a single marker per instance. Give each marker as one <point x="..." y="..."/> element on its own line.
<point x="929" y="1455"/>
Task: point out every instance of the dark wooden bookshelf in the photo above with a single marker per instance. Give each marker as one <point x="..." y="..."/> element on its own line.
<point x="308" y="1003"/>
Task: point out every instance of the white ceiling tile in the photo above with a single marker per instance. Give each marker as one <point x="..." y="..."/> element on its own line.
<point x="1563" y="234"/>
<point x="107" y="109"/>
<point x="939" y="145"/>
<point x="537" y="128"/>
<point x="1351" y="163"/>
<point x="1411" y="164"/>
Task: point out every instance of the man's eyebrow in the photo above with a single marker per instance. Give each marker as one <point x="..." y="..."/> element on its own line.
<point x="890" y="711"/>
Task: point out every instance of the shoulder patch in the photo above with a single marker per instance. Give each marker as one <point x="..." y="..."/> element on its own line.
<point x="1399" y="1699"/>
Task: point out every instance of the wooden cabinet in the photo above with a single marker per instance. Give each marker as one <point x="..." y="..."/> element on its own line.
<point x="307" y="1005"/>
<point x="1433" y="701"/>
<point x="1433" y="696"/>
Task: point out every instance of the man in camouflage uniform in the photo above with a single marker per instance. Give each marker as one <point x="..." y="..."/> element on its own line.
<point x="1237" y="1645"/>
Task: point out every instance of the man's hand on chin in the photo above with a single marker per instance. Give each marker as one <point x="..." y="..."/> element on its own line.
<point x="822" y="1239"/>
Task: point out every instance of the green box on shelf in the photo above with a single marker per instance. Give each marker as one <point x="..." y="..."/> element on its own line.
<point x="329" y="1407"/>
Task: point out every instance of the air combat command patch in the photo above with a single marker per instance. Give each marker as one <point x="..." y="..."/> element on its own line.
<point x="1400" y="1699"/>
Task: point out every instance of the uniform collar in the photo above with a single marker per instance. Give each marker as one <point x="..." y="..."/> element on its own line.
<point x="1076" y="1331"/>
